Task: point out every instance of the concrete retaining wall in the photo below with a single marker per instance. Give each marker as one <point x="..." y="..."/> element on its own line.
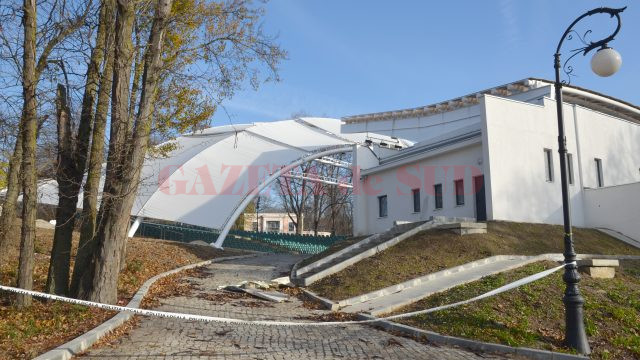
<point x="616" y="208"/>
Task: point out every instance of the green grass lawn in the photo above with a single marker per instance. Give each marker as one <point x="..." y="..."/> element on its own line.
<point x="533" y="315"/>
<point x="435" y="250"/>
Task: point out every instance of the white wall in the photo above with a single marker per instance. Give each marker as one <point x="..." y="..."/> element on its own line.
<point x="614" y="207"/>
<point x="363" y="158"/>
<point x="398" y="182"/>
<point x="615" y="141"/>
<point x="516" y="135"/>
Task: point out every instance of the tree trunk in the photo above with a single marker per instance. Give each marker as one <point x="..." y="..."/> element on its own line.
<point x="137" y="70"/>
<point x="138" y="67"/>
<point x="116" y="209"/>
<point x="317" y="205"/>
<point x="58" y="278"/>
<point x="29" y="179"/>
<point x="8" y="217"/>
<point x="333" y="219"/>
<point x="72" y="164"/>
<point x="82" y="274"/>
<point x="301" y="206"/>
<point x="105" y="259"/>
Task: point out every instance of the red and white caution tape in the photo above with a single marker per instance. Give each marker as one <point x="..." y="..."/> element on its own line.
<point x="204" y="318"/>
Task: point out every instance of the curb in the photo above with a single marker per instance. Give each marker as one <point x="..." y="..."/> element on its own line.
<point x="397" y="238"/>
<point x="330" y="305"/>
<point x="294" y="269"/>
<point x="470" y="344"/>
<point x="83" y="342"/>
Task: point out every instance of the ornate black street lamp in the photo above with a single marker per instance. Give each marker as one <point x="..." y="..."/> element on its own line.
<point x="605" y="62"/>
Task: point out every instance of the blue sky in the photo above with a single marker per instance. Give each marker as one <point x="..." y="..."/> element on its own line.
<point x="356" y="56"/>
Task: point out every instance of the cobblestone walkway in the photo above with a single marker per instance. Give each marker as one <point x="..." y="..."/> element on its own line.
<point x="157" y="338"/>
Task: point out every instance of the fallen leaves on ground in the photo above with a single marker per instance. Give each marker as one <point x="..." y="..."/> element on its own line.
<point x="253" y="304"/>
<point x="169" y="286"/>
<point x="222" y="297"/>
<point x="307" y="302"/>
<point x="25" y="333"/>
<point x="330" y="317"/>
<point x="111" y="338"/>
<point x="392" y="342"/>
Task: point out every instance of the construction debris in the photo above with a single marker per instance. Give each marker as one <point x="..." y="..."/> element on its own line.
<point x="259" y="289"/>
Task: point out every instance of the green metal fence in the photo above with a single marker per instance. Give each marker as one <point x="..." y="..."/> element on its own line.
<point x="240" y="239"/>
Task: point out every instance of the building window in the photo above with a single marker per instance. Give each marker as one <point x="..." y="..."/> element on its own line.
<point x="416" y="200"/>
<point x="292" y="226"/>
<point x="273" y="226"/>
<point x="570" y="168"/>
<point x="437" y="191"/>
<point x="382" y="206"/>
<point x="548" y="164"/>
<point x="254" y="226"/>
<point x="599" y="172"/>
<point x="459" y="185"/>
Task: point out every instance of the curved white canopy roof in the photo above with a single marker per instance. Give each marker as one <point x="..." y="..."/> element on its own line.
<point x="209" y="174"/>
<point x="204" y="180"/>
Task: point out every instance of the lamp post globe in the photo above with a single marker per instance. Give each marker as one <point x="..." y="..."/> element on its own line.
<point x="606" y="62"/>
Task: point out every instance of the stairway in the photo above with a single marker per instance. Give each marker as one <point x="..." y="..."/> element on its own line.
<point x="363" y="249"/>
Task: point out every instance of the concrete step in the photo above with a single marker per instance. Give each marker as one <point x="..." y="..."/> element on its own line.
<point x="386" y="300"/>
<point x="353" y="254"/>
<point x="370" y="246"/>
<point x="466" y="227"/>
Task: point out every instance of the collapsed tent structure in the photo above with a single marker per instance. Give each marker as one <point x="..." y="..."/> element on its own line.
<point x="211" y="175"/>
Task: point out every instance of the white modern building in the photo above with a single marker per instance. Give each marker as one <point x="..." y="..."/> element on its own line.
<point x="493" y="155"/>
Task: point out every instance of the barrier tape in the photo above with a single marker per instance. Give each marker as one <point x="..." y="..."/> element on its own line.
<point x="205" y="318"/>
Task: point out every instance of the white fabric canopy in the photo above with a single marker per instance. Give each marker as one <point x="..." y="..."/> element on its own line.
<point x="207" y="177"/>
<point x="212" y="172"/>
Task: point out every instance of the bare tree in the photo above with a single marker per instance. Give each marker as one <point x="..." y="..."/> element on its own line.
<point x="295" y="194"/>
<point x="340" y="199"/>
<point x="73" y="158"/>
<point x="86" y="246"/>
<point x="31" y="71"/>
<point x="328" y="200"/>
<point x="61" y="21"/>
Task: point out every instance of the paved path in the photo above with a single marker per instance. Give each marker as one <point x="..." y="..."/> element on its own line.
<point x="157" y="338"/>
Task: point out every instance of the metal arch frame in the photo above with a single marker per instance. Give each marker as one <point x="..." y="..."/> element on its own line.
<point x="335" y="162"/>
<point x="318" y="179"/>
<point x="254" y="192"/>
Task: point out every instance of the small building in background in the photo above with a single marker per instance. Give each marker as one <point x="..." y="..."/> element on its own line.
<point x="279" y="222"/>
